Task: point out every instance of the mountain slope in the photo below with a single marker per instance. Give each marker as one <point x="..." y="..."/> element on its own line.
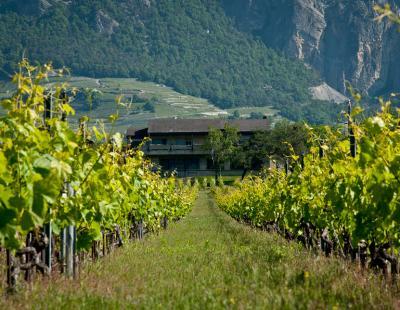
<point x="339" y="38"/>
<point x="190" y="45"/>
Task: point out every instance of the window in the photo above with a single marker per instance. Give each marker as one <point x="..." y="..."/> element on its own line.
<point x="192" y="164"/>
<point x="159" y="141"/>
<point x="183" y="142"/>
<point x="180" y="163"/>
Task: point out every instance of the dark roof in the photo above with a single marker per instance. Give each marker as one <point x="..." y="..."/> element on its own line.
<point x="136" y="133"/>
<point x="167" y="125"/>
<point x="131" y="131"/>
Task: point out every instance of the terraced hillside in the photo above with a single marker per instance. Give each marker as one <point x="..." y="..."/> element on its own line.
<point x="134" y="95"/>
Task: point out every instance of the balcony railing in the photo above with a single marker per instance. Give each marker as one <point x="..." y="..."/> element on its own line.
<point x="174" y="149"/>
<point x="158" y="147"/>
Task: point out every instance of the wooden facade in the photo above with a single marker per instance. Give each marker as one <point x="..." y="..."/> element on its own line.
<point x="178" y="144"/>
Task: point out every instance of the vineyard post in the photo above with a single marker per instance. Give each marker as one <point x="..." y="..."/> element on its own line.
<point x="48" y="250"/>
<point x="83" y="127"/>
<point x="70" y="251"/>
<point x="94" y="251"/>
<point x="286" y="166"/>
<point x="10" y="283"/>
<point x="353" y="143"/>
<point x="321" y="152"/>
<point x="48" y="106"/>
<point x="165" y="222"/>
<point x="66" y="187"/>
<point x="28" y="243"/>
<point x="63" y="250"/>
<point x="65" y="100"/>
<point x="103" y="235"/>
<point x="74" y="252"/>
<point x="71" y="240"/>
<point x="140" y="229"/>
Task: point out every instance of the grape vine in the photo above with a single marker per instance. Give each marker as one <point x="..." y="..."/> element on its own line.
<point x="51" y="173"/>
<point x="331" y="199"/>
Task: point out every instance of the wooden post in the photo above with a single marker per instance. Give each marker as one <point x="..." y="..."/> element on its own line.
<point x="74" y="252"/>
<point x="48" y="106"/>
<point x="286" y="166"/>
<point x="321" y="152"/>
<point x="64" y="99"/>
<point x="165" y="222"/>
<point x="47" y="253"/>
<point x="82" y="127"/>
<point x="49" y="248"/>
<point x="353" y="143"/>
<point x="94" y="251"/>
<point x="104" y="243"/>
<point x="9" y="271"/>
<point x="63" y="250"/>
<point x="28" y="257"/>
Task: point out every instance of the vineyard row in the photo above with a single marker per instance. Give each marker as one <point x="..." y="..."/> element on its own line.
<point x="342" y="197"/>
<point x="66" y="191"/>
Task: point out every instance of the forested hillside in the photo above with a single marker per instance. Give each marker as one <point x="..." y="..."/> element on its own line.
<point x="190" y="45"/>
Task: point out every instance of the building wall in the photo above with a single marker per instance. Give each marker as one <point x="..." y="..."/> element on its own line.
<point x="183" y="153"/>
<point x="203" y="163"/>
<point x="178" y="139"/>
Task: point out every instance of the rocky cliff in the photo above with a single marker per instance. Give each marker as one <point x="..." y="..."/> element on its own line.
<point x="337" y="37"/>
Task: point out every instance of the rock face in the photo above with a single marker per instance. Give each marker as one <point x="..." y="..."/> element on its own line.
<point x="105" y="24"/>
<point x="339" y="38"/>
<point x="327" y="93"/>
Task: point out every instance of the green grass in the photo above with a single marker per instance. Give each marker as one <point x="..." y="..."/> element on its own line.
<point x="209" y="261"/>
<point x="170" y="103"/>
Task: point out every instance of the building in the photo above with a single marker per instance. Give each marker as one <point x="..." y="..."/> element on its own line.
<point x="178" y="144"/>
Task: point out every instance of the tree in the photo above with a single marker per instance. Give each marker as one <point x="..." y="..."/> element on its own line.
<point x="149" y="106"/>
<point x="287" y="138"/>
<point x="235" y="115"/>
<point x="256" y="115"/>
<point x="281" y="142"/>
<point x="222" y="145"/>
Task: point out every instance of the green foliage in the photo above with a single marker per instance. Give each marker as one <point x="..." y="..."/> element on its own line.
<point x="314" y="112"/>
<point x="256" y="115"/>
<point x="149" y="107"/>
<point x="42" y="160"/>
<point x="222" y="144"/>
<point x="235" y="115"/>
<point x="278" y="143"/>
<point x="216" y="258"/>
<point x="386" y="11"/>
<point x="191" y="46"/>
<point x="358" y="196"/>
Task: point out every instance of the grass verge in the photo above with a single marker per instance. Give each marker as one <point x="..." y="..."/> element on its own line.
<point x="209" y="261"/>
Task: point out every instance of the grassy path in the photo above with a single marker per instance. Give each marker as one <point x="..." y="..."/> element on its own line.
<point x="208" y="261"/>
